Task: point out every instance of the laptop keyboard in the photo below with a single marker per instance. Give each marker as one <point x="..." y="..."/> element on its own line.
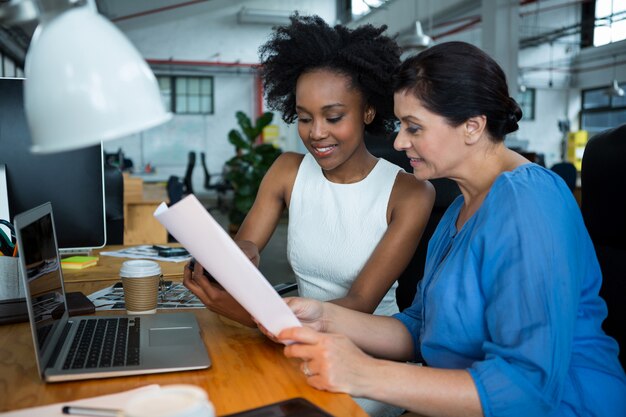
<point x="105" y="342"/>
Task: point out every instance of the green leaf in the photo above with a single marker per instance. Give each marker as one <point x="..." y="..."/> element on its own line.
<point x="264" y="120"/>
<point x="243" y="120"/>
<point x="246" y="126"/>
<point x="236" y="139"/>
<point x="247" y="190"/>
<point x="267" y="150"/>
<point x="244" y="203"/>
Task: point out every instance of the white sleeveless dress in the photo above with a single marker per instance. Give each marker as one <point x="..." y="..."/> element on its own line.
<point x="334" y="228"/>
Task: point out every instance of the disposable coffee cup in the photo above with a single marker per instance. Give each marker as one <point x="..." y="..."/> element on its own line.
<point x="170" y="401"/>
<point x="140" y="279"/>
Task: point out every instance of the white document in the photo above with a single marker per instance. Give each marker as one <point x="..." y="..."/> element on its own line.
<point x="192" y="225"/>
<point x="117" y="401"/>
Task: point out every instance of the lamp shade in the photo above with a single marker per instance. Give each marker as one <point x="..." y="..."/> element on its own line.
<point x="86" y="83"/>
<point x="415" y="42"/>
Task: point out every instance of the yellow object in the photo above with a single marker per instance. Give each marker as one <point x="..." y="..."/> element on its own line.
<point x="79" y="262"/>
<point x="576" y="142"/>
<point x="271" y="134"/>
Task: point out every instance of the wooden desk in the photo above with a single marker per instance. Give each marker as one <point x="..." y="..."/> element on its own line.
<point x="248" y="370"/>
<point x="140" y="201"/>
<point x="107" y="271"/>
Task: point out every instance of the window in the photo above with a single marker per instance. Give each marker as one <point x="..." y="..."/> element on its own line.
<point x="601" y="111"/>
<point x="526" y="101"/>
<point x="165" y="86"/>
<point x="363" y="7"/>
<point x="610" y="22"/>
<point x="187" y="95"/>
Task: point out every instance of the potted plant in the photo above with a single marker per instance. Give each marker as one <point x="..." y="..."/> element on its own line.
<point x="248" y="167"/>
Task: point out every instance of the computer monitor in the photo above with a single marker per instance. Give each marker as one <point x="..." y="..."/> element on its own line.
<point x="72" y="181"/>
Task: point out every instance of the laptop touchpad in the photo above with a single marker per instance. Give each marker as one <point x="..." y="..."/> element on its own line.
<point x="172" y="336"/>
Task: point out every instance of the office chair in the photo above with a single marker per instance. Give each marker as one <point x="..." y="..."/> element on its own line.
<point x="567" y="171"/>
<point x="175" y="189"/>
<point x="187" y="179"/>
<point x="114" y="204"/>
<point x="221" y="187"/>
<point x="603" y="208"/>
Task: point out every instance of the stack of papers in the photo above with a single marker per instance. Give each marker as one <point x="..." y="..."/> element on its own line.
<point x="144" y="252"/>
<point x="79" y="262"/>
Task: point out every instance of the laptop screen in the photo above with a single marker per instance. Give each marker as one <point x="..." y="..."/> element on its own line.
<point x="43" y="277"/>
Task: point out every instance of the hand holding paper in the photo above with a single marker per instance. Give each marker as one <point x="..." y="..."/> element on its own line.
<point x="190" y="223"/>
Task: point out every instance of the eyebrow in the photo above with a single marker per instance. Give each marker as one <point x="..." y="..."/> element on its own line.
<point x="410" y="118"/>
<point x="326" y="107"/>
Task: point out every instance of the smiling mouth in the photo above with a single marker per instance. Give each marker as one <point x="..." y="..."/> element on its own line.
<point x="415" y="161"/>
<point x="323" y="151"/>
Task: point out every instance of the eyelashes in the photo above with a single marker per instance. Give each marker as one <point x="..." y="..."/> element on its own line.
<point x="413" y="129"/>
<point x="332" y="120"/>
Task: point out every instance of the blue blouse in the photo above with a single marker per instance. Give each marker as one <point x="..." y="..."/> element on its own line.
<point x="513" y="298"/>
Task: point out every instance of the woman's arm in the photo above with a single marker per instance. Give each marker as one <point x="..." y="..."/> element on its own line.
<point x="381" y="336"/>
<point x="409" y="208"/>
<point x="330" y="344"/>
<point x="334" y="363"/>
<point x="252" y="237"/>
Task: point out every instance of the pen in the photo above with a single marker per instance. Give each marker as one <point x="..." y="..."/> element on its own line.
<point x="92" y="411"/>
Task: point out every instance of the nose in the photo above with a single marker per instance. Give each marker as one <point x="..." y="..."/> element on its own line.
<point x="318" y="130"/>
<point x="401" y="142"/>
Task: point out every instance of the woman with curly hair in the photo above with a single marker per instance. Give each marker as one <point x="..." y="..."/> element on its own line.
<point x="354" y="219"/>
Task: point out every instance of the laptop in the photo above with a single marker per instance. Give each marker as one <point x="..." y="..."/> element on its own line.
<point x="86" y="347"/>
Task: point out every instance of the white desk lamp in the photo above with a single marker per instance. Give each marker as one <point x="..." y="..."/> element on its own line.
<point x="85" y="82"/>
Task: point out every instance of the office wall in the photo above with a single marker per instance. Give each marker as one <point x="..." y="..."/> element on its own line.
<point x="209" y="32"/>
<point x="206" y="33"/>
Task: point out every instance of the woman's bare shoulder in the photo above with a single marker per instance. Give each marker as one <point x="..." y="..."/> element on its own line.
<point x="282" y="175"/>
<point x="406" y="182"/>
<point x="288" y="163"/>
<point x="408" y="190"/>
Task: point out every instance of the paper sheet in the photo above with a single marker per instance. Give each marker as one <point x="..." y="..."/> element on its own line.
<point x="192" y="225"/>
<point x="117" y="401"/>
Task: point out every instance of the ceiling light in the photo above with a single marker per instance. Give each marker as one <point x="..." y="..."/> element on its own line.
<point x="415" y="42"/>
<point x="85" y="82"/>
<point x="615" y="90"/>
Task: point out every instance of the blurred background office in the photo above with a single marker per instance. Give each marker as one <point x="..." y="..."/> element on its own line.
<point x="565" y="61"/>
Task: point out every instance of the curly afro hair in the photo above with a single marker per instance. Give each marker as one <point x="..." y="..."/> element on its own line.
<point x="364" y="55"/>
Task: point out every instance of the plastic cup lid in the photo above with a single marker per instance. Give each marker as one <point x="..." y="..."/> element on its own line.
<point x="171" y="401"/>
<point x="139" y="268"/>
